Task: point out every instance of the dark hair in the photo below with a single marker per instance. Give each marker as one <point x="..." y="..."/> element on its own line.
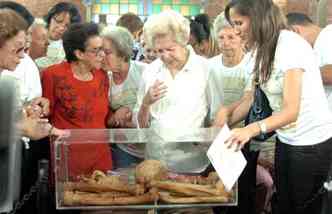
<point x="76" y="37"/>
<point x="19" y="9"/>
<point x="10" y="25"/>
<point x="266" y="22"/>
<point x="74" y="13"/>
<point x="298" y="19"/>
<point x="130" y="21"/>
<point x="200" y="27"/>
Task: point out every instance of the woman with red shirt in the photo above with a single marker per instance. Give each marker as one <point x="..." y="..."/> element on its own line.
<point x="78" y="94"/>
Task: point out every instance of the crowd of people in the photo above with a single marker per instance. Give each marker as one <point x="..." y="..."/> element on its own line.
<point x="174" y="72"/>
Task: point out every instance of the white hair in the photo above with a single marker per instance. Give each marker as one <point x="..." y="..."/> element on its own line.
<point x="168" y="22"/>
<point x="38" y="22"/>
<point x="220" y="23"/>
<point x="121" y="38"/>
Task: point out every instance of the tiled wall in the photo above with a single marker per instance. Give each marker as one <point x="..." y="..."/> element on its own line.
<point x="112" y="9"/>
<point x="40" y="7"/>
<point x="212" y="7"/>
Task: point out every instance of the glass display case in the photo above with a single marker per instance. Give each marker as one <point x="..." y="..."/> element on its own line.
<point x="174" y="171"/>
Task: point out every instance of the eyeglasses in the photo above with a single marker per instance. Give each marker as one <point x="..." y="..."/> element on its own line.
<point x="61" y="22"/>
<point x="107" y="51"/>
<point x="96" y="51"/>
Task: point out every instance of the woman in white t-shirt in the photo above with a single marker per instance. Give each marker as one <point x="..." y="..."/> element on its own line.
<point x="232" y="69"/>
<point x="289" y="75"/>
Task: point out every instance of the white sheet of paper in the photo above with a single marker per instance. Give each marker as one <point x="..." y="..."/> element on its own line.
<point x="227" y="163"/>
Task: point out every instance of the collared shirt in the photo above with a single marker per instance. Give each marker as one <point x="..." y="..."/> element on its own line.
<point x="55" y="54"/>
<point x="185" y="106"/>
<point x="27" y="79"/>
<point x="187" y="101"/>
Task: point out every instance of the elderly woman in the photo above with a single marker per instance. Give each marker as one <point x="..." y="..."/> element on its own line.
<point x="288" y="73"/>
<point x="78" y="93"/>
<point x="174" y="92"/>
<point x="12" y="45"/>
<point x="26" y="73"/>
<point x="125" y="77"/>
<point x="232" y="67"/>
<point x="58" y="19"/>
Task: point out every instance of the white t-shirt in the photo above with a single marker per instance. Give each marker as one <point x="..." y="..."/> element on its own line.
<point x="323" y="50"/>
<point x="28" y="79"/>
<point x="314" y="122"/>
<point x="55" y="54"/>
<point x="233" y="81"/>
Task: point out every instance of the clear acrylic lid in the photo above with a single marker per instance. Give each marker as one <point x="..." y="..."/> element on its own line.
<point x="116" y="136"/>
<point x="183" y="151"/>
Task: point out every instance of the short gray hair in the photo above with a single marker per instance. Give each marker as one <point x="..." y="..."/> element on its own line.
<point x="121" y="38"/>
<point x="38" y="22"/>
<point x="220" y="23"/>
<point x="168" y="22"/>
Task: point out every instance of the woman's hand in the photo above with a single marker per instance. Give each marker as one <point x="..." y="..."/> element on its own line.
<point x="221" y="118"/>
<point x="33" y="111"/>
<point x="121" y="117"/>
<point x="155" y="93"/>
<point x="38" y="128"/>
<point x="42" y="103"/>
<point x="239" y="137"/>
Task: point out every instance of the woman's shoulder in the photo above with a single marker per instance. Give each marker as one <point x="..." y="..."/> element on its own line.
<point x="292" y="39"/>
<point x="59" y="68"/>
<point x="291" y="43"/>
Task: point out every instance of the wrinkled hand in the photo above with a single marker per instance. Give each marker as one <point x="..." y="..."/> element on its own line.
<point x="239" y="137"/>
<point x="59" y="132"/>
<point x="221" y="118"/>
<point x="43" y="103"/>
<point x="38" y="128"/>
<point x="33" y="111"/>
<point x="157" y="91"/>
<point x="34" y="128"/>
<point x="121" y="117"/>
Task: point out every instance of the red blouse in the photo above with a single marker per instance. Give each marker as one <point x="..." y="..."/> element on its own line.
<point x="76" y="104"/>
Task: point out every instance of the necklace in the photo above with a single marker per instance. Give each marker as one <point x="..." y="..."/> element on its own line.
<point x="81" y="73"/>
<point x="231" y="61"/>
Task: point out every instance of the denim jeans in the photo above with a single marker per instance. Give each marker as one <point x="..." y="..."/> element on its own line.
<point x="122" y="159"/>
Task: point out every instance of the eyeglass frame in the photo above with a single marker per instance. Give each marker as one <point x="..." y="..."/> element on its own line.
<point x="96" y="51"/>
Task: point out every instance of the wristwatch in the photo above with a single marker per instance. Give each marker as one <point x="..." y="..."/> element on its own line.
<point x="262" y="127"/>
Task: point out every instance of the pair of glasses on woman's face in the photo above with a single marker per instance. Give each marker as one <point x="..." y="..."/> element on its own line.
<point x="99" y="51"/>
<point x="61" y="21"/>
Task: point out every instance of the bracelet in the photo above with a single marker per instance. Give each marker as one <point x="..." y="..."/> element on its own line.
<point x="50" y="131"/>
<point x="262" y="127"/>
